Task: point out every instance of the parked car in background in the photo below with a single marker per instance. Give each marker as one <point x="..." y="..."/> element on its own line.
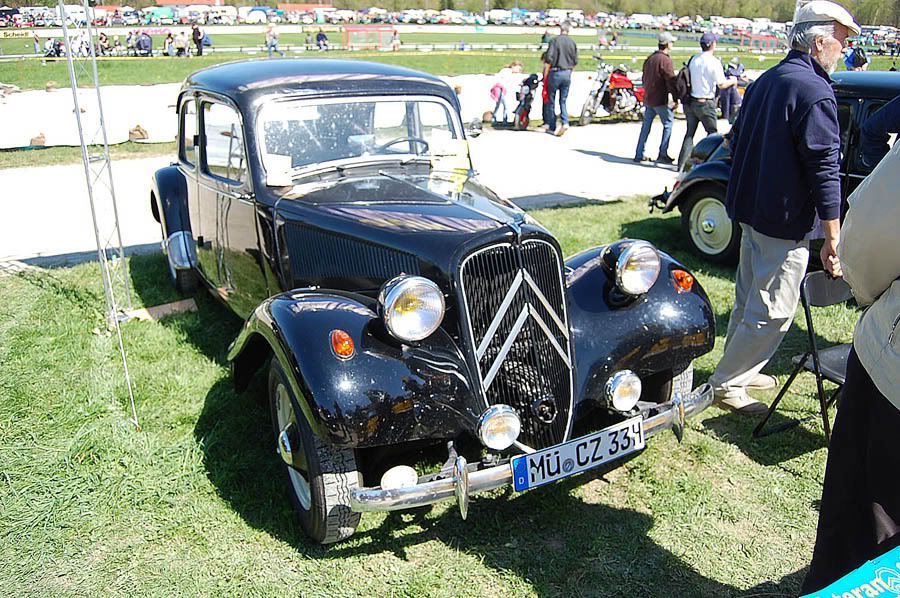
<point x="396" y="303"/>
<point x="699" y="190"/>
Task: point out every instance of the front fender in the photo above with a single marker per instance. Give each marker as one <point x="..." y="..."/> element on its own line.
<point x="658" y="331"/>
<point x="169" y="204"/>
<point x="385" y="394"/>
<point x="715" y="171"/>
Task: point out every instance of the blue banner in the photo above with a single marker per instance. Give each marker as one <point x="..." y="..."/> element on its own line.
<point x="879" y="577"/>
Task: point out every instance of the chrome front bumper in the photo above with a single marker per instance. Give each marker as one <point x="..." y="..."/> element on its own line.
<point x="464" y="482"/>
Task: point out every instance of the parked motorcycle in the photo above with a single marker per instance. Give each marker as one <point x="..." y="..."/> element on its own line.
<point x="615" y="92"/>
<point x="525" y="95"/>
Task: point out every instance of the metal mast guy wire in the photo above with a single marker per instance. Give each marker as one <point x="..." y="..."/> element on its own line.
<point x="79" y="35"/>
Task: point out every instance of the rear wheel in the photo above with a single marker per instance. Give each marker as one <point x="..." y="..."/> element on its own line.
<point x="320" y="477"/>
<point x="707" y="226"/>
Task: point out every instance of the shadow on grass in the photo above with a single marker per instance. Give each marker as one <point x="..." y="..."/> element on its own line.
<point x="556" y="542"/>
<point x="210" y="330"/>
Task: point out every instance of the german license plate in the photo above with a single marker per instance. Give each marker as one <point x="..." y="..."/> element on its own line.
<point x="575" y="456"/>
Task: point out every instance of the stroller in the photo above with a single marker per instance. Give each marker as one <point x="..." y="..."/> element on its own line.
<point x="525" y="96"/>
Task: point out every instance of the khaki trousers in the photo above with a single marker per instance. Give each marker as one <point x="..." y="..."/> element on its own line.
<point x="766" y="292"/>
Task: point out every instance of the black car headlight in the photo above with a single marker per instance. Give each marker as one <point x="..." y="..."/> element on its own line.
<point x="412" y="307"/>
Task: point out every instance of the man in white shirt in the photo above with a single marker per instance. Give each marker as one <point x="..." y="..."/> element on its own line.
<point x="706" y="75"/>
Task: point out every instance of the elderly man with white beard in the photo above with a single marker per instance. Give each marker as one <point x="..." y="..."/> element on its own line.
<point x="785" y="169"/>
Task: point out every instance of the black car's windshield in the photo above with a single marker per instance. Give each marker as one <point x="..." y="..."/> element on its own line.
<point x="297" y="134"/>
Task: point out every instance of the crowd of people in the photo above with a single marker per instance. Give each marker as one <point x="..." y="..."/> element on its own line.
<point x="136" y="43"/>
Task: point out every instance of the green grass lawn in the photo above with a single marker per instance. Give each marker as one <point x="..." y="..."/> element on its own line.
<point x="194" y="503"/>
<point x="34" y="74"/>
<point x="49" y="156"/>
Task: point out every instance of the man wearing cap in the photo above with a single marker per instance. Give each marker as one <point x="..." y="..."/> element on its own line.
<point x="785" y="147"/>
<point x="659" y="82"/>
<point x="561" y="58"/>
<point x="707" y="75"/>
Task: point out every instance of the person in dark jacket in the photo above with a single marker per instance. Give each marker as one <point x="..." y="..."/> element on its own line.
<point x="562" y="56"/>
<point x="659" y="88"/>
<point x="730" y="99"/>
<point x="785" y="169"/>
<point x="876" y="131"/>
<point x="197" y="36"/>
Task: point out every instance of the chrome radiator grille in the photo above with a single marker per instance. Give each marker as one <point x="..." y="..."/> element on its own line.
<point x="516" y="323"/>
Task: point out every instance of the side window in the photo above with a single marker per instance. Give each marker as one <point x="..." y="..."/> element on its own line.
<point x="390" y="123"/>
<point x="188" y="128"/>
<point x="435" y="118"/>
<point x="224" y="150"/>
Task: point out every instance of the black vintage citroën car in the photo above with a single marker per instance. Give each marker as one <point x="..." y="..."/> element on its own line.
<point x="399" y="304"/>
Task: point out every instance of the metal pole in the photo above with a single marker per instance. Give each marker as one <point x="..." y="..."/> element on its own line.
<point x="114" y="312"/>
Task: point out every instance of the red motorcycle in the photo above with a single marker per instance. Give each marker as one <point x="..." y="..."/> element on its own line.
<point x="615" y="92"/>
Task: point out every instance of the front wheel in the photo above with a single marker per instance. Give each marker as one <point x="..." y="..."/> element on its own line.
<point x="706" y="224"/>
<point x="320" y="477"/>
<point x="587" y="112"/>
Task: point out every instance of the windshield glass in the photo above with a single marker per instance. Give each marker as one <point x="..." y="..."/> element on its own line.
<point x="301" y="133"/>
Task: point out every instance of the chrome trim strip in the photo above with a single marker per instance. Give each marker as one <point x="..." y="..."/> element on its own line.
<point x="498" y="317"/>
<point x="671" y="416"/>
<point x="546" y="304"/>
<point x="507" y="345"/>
<point x="551" y="338"/>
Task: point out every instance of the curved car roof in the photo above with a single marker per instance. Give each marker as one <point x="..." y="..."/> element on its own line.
<point x="867" y="84"/>
<point x="245" y="81"/>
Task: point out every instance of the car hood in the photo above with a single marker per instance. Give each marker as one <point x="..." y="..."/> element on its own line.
<point x="430" y="219"/>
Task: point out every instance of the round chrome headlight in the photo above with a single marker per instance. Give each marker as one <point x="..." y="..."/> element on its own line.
<point x="499" y="427"/>
<point x="412" y="307"/>
<point x="623" y="390"/>
<point x="637" y="268"/>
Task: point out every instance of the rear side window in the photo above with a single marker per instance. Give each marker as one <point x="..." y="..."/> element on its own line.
<point x="188" y="127"/>
<point x="224" y="150"/>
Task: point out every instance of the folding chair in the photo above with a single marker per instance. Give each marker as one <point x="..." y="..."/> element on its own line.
<point x="816" y="290"/>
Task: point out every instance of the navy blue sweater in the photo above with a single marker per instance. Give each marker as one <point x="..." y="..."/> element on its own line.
<point x="786" y="151"/>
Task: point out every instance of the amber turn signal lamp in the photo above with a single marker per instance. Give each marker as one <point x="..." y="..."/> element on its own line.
<point x="342" y="344"/>
<point x="683" y="280"/>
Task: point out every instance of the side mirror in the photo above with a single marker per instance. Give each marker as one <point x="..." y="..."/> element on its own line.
<point x="474" y="128"/>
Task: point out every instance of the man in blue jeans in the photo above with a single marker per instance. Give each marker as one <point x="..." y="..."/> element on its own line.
<point x="659" y="83"/>
<point x="561" y="58"/>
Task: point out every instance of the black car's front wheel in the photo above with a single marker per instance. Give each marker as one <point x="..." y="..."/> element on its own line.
<point x="320" y="477"/>
<point x="706" y="224"/>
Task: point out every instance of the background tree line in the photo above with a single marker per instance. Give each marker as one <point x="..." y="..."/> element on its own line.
<point x="867" y="12"/>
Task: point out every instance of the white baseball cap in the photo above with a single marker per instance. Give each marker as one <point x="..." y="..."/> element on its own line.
<point x="824" y="11"/>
